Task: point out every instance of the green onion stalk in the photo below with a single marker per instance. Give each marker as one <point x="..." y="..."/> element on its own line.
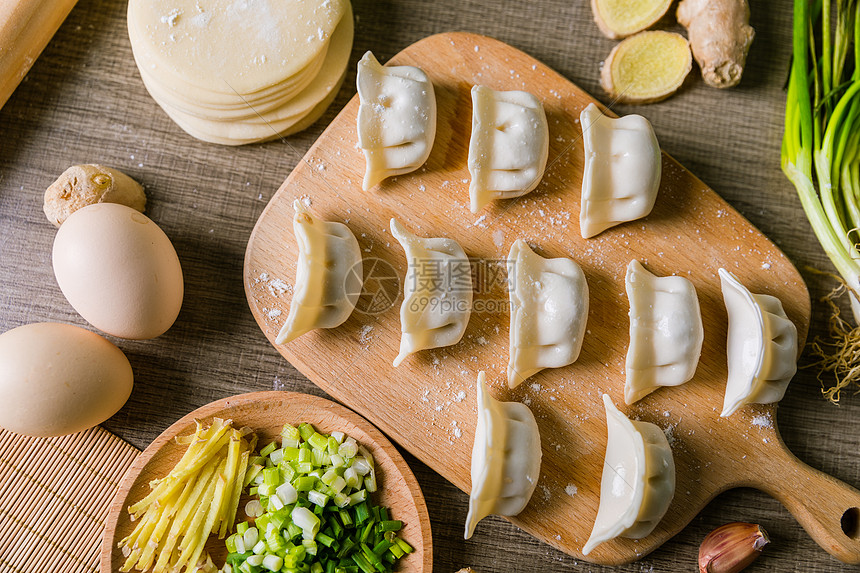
<point x="821" y="157"/>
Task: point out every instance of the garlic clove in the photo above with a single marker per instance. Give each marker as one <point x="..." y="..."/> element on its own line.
<point x="731" y="547"/>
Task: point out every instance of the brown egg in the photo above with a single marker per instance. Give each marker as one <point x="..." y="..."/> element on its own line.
<point x="119" y="271"/>
<point x="57" y="379"/>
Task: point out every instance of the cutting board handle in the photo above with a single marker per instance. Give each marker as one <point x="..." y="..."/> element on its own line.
<point x="828" y="509"/>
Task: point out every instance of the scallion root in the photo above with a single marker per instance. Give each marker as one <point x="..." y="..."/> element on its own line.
<point x="840" y="354"/>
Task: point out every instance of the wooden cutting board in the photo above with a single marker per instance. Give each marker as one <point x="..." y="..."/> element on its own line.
<point x="427" y="405"/>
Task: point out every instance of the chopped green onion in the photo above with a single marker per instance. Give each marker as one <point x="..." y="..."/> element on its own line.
<point x="271" y="476"/>
<point x="361" y="466"/>
<point x="305" y="483"/>
<point x="317" y="497"/>
<point x="289" y="432"/>
<point x="272" y="562"/>
<point x="268" y="449"/>
<point x="277" y="456"/>
<point x="313" y="491"/>
<point x="366" y="532"/>
<point x="363" y="563"/>
<point x="382" y="547"/>
<point x="318" y="441"/>
<point x="396" y="551"/>
<point x="293" y="530"/>
<point x="325" y="539"/>
<point x="305" y="519"/>
<point x="392" y="525"/>
<point x="230" y="542"/>
<point x="306" y="431"/>
<point x="304" y="468"/>
<point x="290" y="453"/>
<point x="310" y="545"/>
<point x="250" y="535"/>
<point x="404" y="546"/>
<point x="348" y="448"/>
<point x="276" y="503"/>
<point x="346" y="518"/>
<point x="357" y="497"/>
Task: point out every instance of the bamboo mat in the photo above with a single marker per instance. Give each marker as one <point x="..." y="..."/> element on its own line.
<point x="54" y="497"/>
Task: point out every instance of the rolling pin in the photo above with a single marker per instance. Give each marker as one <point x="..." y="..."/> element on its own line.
<point x="26" y="27"/>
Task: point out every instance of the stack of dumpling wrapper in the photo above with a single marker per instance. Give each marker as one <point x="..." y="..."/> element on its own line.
<point x="241" y="71"/>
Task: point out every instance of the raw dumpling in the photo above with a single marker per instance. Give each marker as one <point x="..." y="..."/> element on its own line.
<point x="509" y="145"/>
<point x="622" y="170"/>
<point x="666" y="332"/>
<point x="437" y="292"/>
<point x="505" y="458"/>
<point x="549" y="308"/>
<point x="761" y="347"/>
<point x="329" y="275"/>
<point x="396" y="119"/>
<point x="638" y="480"/>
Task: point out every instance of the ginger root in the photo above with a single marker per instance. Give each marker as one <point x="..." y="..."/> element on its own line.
<point x="82" y="185"/>
<point x="621" y="18"/>
<point x="720" y="37"/>
<point x="647" y="67"/>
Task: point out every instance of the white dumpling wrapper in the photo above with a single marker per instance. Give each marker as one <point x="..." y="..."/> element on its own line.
<point x="437" y="291"/>
<point x="396" y="118"/>
<point x="762" y="346"/>
<point x="509" y="146"/>
<point x="329" y="275"/>
<point x="638" y="481"/>
<point x="622" y="170"/>
<point x="549" y="310"/>
<point x="666" y="332"/>
<point x="506" y="458"/>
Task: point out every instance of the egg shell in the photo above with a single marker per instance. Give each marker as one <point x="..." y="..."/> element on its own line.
<point x="58" y="379"/>
<point x="119" y="271"/>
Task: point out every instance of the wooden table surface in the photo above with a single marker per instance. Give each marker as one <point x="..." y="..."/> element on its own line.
<point x="83" y="102"/>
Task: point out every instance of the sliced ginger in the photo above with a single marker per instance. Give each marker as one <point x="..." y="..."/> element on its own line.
<point x="621" y="18"/>
<point x="720" y="37"/>
<point x="647" y="67"/>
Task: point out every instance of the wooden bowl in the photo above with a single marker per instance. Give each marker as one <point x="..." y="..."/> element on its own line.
<point x="266" y="413"/>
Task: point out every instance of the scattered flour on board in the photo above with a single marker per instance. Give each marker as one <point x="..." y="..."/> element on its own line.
<point x="364" y="336"/>
<point x="274" y="313"/>
<point x="547" y="494"/>
<point x="670" y="434"/>
<point x="457" y="431"/>
<point x="276" y="287"/>
<point x="571" y="490"/>
<point x="762" y="421"/>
